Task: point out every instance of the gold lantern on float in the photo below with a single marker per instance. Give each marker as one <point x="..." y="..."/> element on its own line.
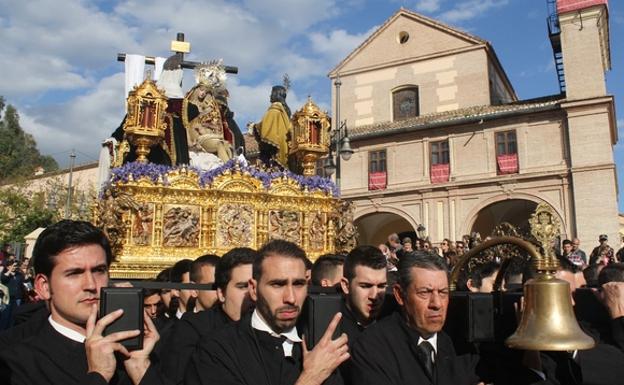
<point x="548" y="322"/>
<point x="145" y="124"/>
<point x="311" y="136"/>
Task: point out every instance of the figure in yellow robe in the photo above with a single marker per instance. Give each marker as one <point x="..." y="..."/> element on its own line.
<point x="273" y="133"/>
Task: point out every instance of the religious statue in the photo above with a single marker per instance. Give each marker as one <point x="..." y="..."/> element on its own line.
<point x="274" y="132"/>
<point x="346" y="235"/>
<point x="202" y="117"/>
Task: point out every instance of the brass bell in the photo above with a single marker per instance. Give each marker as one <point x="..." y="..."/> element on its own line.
<point x="548" y="321"/>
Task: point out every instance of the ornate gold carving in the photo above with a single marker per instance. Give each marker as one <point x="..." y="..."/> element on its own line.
<point x="181" y="226"/>
<point x="545" y="227"/>
<point x="235" y="227"/>
<point x="311" y="136"/>
<point x="346" y="239"/>
<point x="155" y="223"/>
<point x="145" y="126"/>
<point x="285" y="225"/>
<point x="317" y="232"/>
<point x="143" y="224"/>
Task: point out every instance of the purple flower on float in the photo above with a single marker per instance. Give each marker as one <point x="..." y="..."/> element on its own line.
<point x="136" y="170"/>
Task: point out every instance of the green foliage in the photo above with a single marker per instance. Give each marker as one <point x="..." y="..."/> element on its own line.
<point x="19" y="156"/>
<point x="20" y="214"/>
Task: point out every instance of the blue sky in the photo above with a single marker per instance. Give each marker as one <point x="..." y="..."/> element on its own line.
<point x="59" y="65"/>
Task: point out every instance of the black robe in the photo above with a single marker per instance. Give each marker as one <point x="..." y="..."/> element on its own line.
<point x="238" y="354"/>
<point x="386" y="354"/>
<point x="49" y="358"/>
<point x="187" y="332"/>
<point x="37" y="318"/>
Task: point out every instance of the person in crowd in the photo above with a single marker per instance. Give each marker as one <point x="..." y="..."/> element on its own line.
<point x="364" y="287"/>
<point x="327" y="270"/>
<point x="576" y="249"/>
<point x="264" y="347"/>
<point x="394" y="242"/>
<point x="170" y="303"/>
<point x="448" y="252"/>
<point x="232" y="276"/>
<point x="152" y="303"/>
<point x="409" y="347"/>
<point x="482" y="277"/>
<point x="426" y="246"/>
<point x="203" y="272"/>
<point x="611" y="280"/>
<point x="460" y="248"/>
<point x="71" y="261"/>
<point x="181" y="273"/>
<point x="13" y="278"/>
<point x="407" y="245"/>
<point x="391" y="258"/>
<point x="602" y="252"/>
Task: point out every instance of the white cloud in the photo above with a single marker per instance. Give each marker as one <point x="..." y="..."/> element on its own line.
<point x="80" y="123"/>
<point x="427" y="5"/>
<point x="470" y="9"/>
<point x="337" y="44"/>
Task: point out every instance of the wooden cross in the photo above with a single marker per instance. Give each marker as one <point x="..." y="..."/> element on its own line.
<point x="180" y="47"/>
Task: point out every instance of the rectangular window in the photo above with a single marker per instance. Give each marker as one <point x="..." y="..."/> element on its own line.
<point x="440" y="162"/>
<point x="377" y="175"/>
<point x="440" y="152"/>
<point x="506" y="143"/>
<point x="506" y="153"/>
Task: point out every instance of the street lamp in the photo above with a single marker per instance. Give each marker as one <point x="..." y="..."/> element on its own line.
<point x="422" y="231"/>
<point x="341" y="139"/>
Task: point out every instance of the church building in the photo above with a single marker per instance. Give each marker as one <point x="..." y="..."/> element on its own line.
<point x="443" y="142"/>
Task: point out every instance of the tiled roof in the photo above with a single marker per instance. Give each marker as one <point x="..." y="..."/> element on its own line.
<point x="452" y="117"/>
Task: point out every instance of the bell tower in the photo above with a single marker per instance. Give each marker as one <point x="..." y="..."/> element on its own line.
<point x="590" y="117"/>
<point x="584" y="26"/>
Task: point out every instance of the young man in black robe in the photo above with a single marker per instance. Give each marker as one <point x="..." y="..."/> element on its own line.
<point x="364" y="287"/>
<point x="409" y="347"/>
<point x="232" y="277"/>
<point x="264" y="348"/>
<point x="71" y="260"/>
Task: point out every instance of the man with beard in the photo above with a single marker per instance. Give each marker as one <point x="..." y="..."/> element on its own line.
<point x="232" y="276"/>
<point x="409" y="347"/>
<point x="364" y="287"/>
<point x="264" y="348"/>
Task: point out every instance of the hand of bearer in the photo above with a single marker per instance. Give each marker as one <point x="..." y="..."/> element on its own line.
<point x="613" y="298"/>
<point x="101" y="350"/>
<point x="139" y="361"/>
<point x="327" y="355"/>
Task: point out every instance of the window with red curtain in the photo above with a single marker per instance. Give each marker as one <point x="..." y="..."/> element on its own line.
<point x="440" y="162"/>
<point x="506" y="153"/>
<point x="377" y="175"/>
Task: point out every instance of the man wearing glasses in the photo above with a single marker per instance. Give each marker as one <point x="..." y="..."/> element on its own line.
<point x="409" y="346"/>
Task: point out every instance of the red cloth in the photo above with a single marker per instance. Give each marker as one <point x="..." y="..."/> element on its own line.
<point x="377" y="180"/>
<point x="440" y="173"/>
<point x="507" y="164"/>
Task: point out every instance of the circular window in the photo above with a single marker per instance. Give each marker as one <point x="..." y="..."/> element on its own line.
<point x="403" y="37"/>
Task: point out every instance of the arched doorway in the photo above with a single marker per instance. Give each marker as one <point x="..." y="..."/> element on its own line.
<point x="514" y="211"/>
<point x="374" y="229"/>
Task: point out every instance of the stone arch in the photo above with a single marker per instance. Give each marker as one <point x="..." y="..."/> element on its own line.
<point x="473" y="216"/>
<point x="374" y="226"/>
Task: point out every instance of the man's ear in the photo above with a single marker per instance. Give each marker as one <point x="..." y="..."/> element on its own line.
<point x="220" y="295"/>
<point x="398" y="294"/>
<point x="42" y="286"/>
<point x="344" y="284"/>
<point x="253" y="289"/>
<point x="471" y="286"/>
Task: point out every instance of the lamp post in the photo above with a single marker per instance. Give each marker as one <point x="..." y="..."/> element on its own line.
<point x="341" y="139"/>
<point x="72" y="157"/>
